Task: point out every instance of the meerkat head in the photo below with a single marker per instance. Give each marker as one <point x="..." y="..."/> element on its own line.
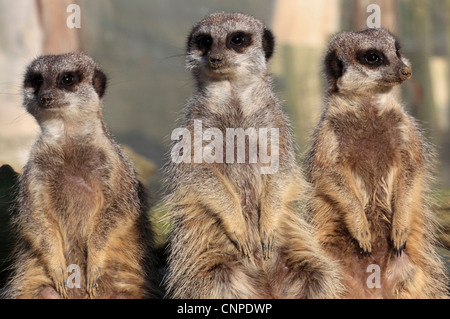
<point x="224" y="45"/>
<point x="67" y="86"/>
<point x="368" y="61"/>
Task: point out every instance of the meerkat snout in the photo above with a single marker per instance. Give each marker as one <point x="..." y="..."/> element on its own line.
<point x="216" y="60"/>
<point x="405" y="73"/>
<point x="46" y="99"/>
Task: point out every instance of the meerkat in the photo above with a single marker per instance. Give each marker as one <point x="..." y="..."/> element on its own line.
<point x="235" y="232"/>
<point x="369" y="165"/>
<point x="79" y="202"/>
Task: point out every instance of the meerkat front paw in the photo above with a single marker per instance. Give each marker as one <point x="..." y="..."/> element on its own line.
<point x="236" y="229"/>
<point x="360" y="231"/>
<point x="363" y="237"/>
<point x="365" y="242"/>
<point x="93" y="272"/>
<point x="92" y="280"/>
<point x="267" y="242"/>
<point x="241" y="240"/>
<point x="399" y="235"/>
<point x="268" y="224"/>
<point x="59" y="277"/>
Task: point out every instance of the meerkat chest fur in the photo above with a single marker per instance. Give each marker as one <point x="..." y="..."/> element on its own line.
<point x="241" y="114"/>
<point x="224" y="98"/>
<point x="74" y="173"/>
<point x="370" y="138"/>
<point x="371" y="145"/>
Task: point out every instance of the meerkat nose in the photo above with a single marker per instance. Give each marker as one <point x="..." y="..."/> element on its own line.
<point x="46" y="99"/>
<point x="405" y="72"/>
<point x="216" y="60"/>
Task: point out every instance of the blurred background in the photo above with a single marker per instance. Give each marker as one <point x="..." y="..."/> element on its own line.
<point x="140" y="44"/>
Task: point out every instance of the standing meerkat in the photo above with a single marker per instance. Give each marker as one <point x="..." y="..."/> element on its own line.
<point x="369" y="165"/>
<point x="79" y="201"/>
<point x="235" y="232"/>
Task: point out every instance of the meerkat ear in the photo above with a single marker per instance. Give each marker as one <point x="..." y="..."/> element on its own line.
<point x="268" y="43"/>
<point x="99" y="82"/>
<point x="189" y="42"/>
<point x="334" y="67"/>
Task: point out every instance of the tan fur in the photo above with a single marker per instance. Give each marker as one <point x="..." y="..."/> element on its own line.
<point x="79" y="201"/>
<point x="235" y="232"/>
<point x="370" y="169"/>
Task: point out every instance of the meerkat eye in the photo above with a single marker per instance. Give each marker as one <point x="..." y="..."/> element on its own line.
<point x="238" y="39"/>
<point x="69" y="79"/>
<point x="204" y="42"/>
<point x="371" y="58"/>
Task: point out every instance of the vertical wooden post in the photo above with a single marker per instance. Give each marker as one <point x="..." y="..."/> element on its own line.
<point x="302" y="30"/>
<point x="58" y="37"/>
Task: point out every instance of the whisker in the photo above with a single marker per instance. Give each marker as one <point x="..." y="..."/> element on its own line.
<point x="19" y="118"/>
<point x="4" y="93"/>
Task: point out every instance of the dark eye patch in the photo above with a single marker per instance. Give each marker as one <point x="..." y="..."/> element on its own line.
<point x="203" y="42"/>
<point x="372" y="58"/>
<point x="238" y="41"/>
<point x="34" y="81"/>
